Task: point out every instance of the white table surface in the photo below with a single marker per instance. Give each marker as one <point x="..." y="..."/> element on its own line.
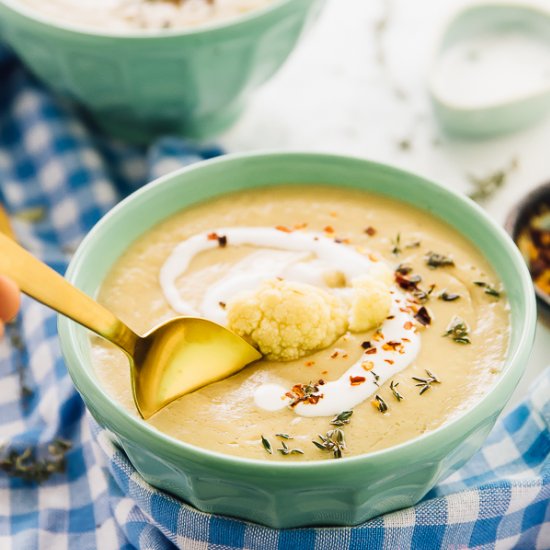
<point x="333" y="95"/>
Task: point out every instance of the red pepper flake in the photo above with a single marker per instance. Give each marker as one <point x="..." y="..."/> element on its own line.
<point x="321" y="382"/>
<point x="367" y="365"/>
<point x="212" y="236"/>
<point x="357" y="380"/>
<point x="391" y="345"/>
<point x="378" y="336"/>
<point x="405" y="339"/>
<point x="222" y="241"/>
<point x="409" y="283"/>
<point x="334" y="354"/>
<point x="423" y="316"/>
<point x="390" y="317"/>
<point x="408" y="325"/>
<point x="370" y="231"/>
<point x="366" y="345"/>
<point x="329" y="229"/>
<point x="324" y="372"/>
<point x="344" y="355"/>
<point x="389" y="361"/>
<point x="373" y="257"/>
<point x="371" y="351"/>
<point x="283" y="228"/>
<point x="305" y="393"/>
<point x="222" y="304"/>
<point x="309" y="363"/>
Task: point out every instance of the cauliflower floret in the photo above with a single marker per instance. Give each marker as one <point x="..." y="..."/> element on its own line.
<point x="370" y="305"/>
<point x="287" y="320"/>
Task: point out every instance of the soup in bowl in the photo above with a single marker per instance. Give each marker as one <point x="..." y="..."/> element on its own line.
<point x="393" y="316"/>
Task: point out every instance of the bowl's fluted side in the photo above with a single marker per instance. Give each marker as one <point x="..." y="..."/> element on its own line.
<point x="338" y="492"/>
<point x="287" y="498"/>
<point x="140" y="86"/>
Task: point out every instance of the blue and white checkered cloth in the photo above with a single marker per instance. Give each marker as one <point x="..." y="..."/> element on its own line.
<point x="51" y="159"/>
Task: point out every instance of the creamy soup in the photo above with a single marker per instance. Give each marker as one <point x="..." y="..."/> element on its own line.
<point x="377" y="321"/>
<point x="131" y="15"/>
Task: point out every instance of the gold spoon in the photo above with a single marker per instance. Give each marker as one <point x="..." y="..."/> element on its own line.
<point x="175" y="358"/>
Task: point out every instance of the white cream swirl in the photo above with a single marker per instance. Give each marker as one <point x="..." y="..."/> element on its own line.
<point x="299" y="256"/>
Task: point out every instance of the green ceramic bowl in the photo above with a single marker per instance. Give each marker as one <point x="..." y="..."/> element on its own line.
<point x="337" y="492"/>
<point x="140" y="85"/>
<point x="486" y="120"/>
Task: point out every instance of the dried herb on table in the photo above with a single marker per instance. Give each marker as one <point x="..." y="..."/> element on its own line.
<point x="29" y="466"/>
<point x="486" y="186"/>
<point x="333" y="441"/>
<point x="267" y="445"/>
<point x="426" y="383"/>
<point x="284" y="450"/>
<point x="488" y="289"/>
<point x="284" y="436"/>
<point x="434" y="260"/>
<point x="459" y="331"/>
<point x="343" y="418"/>
<point x="393" y="388"/>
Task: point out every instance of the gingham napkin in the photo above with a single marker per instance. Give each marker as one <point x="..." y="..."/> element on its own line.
<point x="57" y="178"/>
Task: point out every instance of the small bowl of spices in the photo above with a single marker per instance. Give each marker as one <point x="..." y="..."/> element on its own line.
<point x="529" y="225"/>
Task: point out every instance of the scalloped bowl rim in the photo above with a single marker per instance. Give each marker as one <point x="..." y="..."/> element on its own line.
<point x="150" y="436"/>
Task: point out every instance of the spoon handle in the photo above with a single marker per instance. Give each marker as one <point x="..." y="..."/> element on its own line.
<point x="45" y="285"/>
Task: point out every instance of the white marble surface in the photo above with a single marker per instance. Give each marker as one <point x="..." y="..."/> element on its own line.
<point x="334" y="95"/>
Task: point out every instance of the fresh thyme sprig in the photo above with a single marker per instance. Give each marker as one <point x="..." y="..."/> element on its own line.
<point x="426" y="383"/>
<point x="343" y="418"/>
<point x="458" y="330"/>
<point x="333" y="441"/>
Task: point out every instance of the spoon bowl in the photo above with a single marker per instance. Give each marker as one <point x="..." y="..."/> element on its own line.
<point x="175" y="358"/>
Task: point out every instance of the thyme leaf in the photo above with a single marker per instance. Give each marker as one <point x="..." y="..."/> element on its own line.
<point x="267" y="445"/>
<point x="396" y="245"/>
<point x="435" y="260"/>
<point x="285" y="451"/>
<point x="379" y="403"/>
<point x="393" y="388"/>
<point x="458" y="330"/>
<point x="342" y="418"/>
<point x="448" y="296"/>
<point x="488" y="289"/>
